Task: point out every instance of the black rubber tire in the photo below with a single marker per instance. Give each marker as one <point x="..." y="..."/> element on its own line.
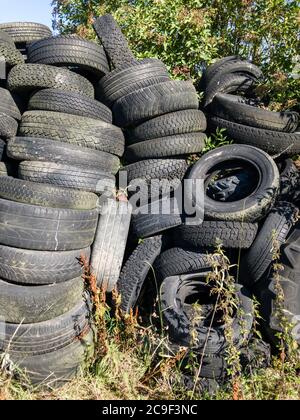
<point x="231" y="83"/>
<point x="11" y="56"/>
<point x="289" y="180"/>
<point x="69" y="103"/>
<point x="6" y="39"/>
<point x="69" y="177"/>
<point x="23" y="32"/>
<point x="253" y="207"/>
<point x="177" y="261"/>
<point x="122" y="82"/>
<point x="27" y="304"/>
<point x="232" y="235"/>
<point x="178" y="319"/>
<point x="288" y="279"/>
<point x="175" y="123"/>
<point x="2" y="150"/>
<point x="8" y="126"/>
<point x="110" y="243"/>
<point x="272" y="142"/>
<point x="233" y="108"/>
<point x="46" y="229"/>
<point x="8" y="105"/>
<point x="113" y="41"/>
<point x="273" y="234"/>
<point x="234" y="66"/>
<point x="30" y="77"/>
<point x="154" y="101"/>
<point x="136" y="270"/>
<point x="70" y="50"/>
<point x="43" y="150"/>
<point x="149" y="220"/>
<point x="158" y="169"/>
<point x="210" y="70"/>
<point x="165" y="147"/>
<point x="44" y="337"/>
<point x="28" y="267"/>
<point x="45" y="195"/>
<point x="80" y="131"/>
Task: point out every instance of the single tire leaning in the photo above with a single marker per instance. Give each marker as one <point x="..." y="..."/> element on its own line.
<point x="233" y="108"/>
<point x="113" y="41"/>
<point x="11" y="56"/>
<point x="23" y="32"/>
<point x="8" y="126"/>
<point x="177" y="316"/>
<point x="70" y="177"/>
<point x="80" y="131"/>
<point x="8" y="105"/>
<point x="45" y="195"/>
<point x="166" y="147"/>
<point x="70" y="50"/>
<point x="46" y="229"/>
<point x="21" y="266"/>
<point x="232" y="235"/>
<point x="110" y="243"/>
<point x="209" y="72"/>
<point x="69" y="103"/>
<point x="30" y="77"/>
<point x="152" y="219"/>
<point x="254" y="206"/>
<point x="231" y="83"/>
<point x="234" y="66"/>
<point x="153" y="101"/>
<point x="272" y="235"/>
<point x="272" y="142"/>
<point x="43" y="150"/>
<point x="29" y="304"/>
<point x="135" y="271"/>
<point x="175" y="123"/>
<point x="122" y="82"/>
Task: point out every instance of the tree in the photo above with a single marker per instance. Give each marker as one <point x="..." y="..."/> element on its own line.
<point x="188" y="34"/>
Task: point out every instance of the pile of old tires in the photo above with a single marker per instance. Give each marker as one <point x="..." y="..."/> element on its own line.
<point x="70" y="110"/>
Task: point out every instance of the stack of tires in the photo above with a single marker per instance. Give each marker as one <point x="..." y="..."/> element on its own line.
<point x="66" y="145"/>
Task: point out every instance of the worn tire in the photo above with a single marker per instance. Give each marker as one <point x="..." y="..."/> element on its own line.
<point x="21" y="266"/>
<point x="210" y="340"/>
<point x="69" y="103"/>
<point x="46" y="229"/>
<point x="273" y="234"/>
<point x="232" y="235"/>
<point x="45" y="195"/>
<point x="234" y="66"/>
<point x="113" y="41"/>
<point x="175" y="123"/>
<point x="80" y="131"/>
<point x="122" y="82"/>
<point x="272" y="142"/>
<point x="70" y="50"/>
<point x="231" y="83"/>
<point x="136" y="270"/>
<point x="6" y="39"/>
<point x="210" y="70"/>
<point x="154" y="101"/>
<point x="254" y="206"/>
<point x="43" y="150"/>
<point x="110" y="243"/>
<point x="69" y="177"/>
<point x="166" y="147"/>
<point x="30" y="77"/>
<point x="23" y="32"/>
<point x="27" y="304"/>
<point x="8" y="126"/>
<point x="8" y="105"/>
<point x="11" y="55"/>
<point x="233" y="108"/>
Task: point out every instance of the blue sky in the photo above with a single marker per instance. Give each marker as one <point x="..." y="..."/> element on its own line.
<point x="26" y="10"/>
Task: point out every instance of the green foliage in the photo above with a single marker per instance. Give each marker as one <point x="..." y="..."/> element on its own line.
<point x="188" y="34"/>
